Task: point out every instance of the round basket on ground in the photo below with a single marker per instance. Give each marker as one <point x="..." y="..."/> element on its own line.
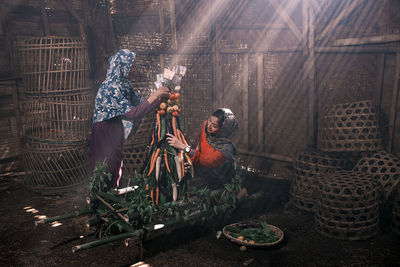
<point x="348" y="205"/>
<point x="228" y="234"/>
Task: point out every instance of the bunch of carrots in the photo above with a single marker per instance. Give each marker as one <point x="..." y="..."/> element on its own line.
<point x="166" y="164"/>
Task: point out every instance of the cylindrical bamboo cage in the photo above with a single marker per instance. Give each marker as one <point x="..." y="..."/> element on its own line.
<point x="309" y="166"/>
<point x="57" y="111"/>
<point x="54" y="65"/>
<point x="384" y="166"/>
<point x="58" y="117"/>
<point x="351" y="127"/>
<point x="54" y="165"/>
<point x="348" y="205"/>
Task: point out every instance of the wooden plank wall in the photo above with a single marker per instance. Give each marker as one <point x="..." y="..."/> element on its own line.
<point x="276" y="64"/>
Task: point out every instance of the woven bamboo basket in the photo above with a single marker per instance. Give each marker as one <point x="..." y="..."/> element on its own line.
<point x="63" y="118"/>
<point x="276" y="230"/>
<point x="348" y="205"/>
<point x="309" y="166"/>
<point x="54" y="64"/>
<point x="54" y="165"/>
<point x="143" y="133"/>
<point x="135" y="148"/>
<point x="134" y="159"/>
<point x="384" y="166"/>
<point x="351" y="127"/>
<point x="396" y="213"/>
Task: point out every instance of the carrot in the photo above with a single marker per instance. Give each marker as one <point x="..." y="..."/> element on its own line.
<point x="166" y="160"/>
<point x="182" y="164"/>
<point x="174" y="126"/>
<point x="153" y="161"/>
<point x="159" y="126"/>
<point x="157" y="195"/>
<point x="152" y="195"/>
<point x="152" y="139"/>
<point x="147" y="187"/>
<point x="188" y="159"/>
<point x="182" y="137"/>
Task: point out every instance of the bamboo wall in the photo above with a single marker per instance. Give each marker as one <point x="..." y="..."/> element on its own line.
<point x="276" y="64"/>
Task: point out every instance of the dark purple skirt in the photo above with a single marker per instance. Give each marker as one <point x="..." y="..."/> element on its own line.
<point x="106" y="144"/>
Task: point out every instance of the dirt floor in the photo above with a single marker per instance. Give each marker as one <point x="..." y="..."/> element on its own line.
<point x="24" y="244"/>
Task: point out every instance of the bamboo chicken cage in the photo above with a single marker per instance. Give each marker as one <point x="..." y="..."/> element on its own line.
<point x="54" y="65"/>
<point x="309" y="167"/>
<point x="348" y="205"/>
<point x="64" y="118"/>
<point x="57" y="111"/>
<point x="53" y="165"/>
<point x="351" y="127"/>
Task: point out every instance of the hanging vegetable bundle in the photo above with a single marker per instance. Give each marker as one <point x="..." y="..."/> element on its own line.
<point x="167" y="177"/>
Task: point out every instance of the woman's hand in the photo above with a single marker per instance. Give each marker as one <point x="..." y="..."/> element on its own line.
<point x="174" y="142"/>
<point x="162" y="92"/>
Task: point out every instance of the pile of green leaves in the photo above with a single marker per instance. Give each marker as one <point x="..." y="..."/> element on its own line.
<point x="199" y="201"/>
<point x="231" y="190"/>
<point x="261" y="234"/>
<point x="141" y="209"/>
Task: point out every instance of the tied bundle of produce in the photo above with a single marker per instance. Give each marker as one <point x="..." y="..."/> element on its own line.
<point x="165" y="170"/>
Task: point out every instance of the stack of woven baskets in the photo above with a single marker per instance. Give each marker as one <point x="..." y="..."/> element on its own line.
<point x="57" y="103"/>
<point x="346" y="201"/>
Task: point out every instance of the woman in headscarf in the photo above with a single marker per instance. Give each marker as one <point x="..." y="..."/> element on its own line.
<point x="214" y="158"/>
<point x="118" y="110"/>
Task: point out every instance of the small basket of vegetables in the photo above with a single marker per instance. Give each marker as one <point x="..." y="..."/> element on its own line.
<point x="253" y="234"/>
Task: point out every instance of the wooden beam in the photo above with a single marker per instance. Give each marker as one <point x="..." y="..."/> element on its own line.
<point x="267" y="155"/>
<point x="393" y="106"/>
<point x="245" y="102"/>
<point x="218" y="68"/>
<point x="111" y="27"/>
<point x="10" y="48"/>
<point x="336" y="21"/>
<point x="256" y="51"/>
<point x="310" y="75"/>
<point x="43" y="15"/>
<point x="161" y="19"/>
<point x="367" y="40"/>
<point x="173" y="24"/>
<point x="355" y="50"/>
<point x="286" y="18"/>
<point x="379" y="81"/>
<point x="260" y="102"/>
<point x="315" y="5"/>
<point x="81" y="22"/>
<point x="257" y="26"/>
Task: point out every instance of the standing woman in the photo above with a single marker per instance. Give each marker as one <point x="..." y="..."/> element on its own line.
<point x="116" y="100"/>
<point x="214" y="158"/>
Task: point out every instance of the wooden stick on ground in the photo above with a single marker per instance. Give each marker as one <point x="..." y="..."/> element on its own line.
<point x="123" y="217"/>
<point x="64" y="216"/>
